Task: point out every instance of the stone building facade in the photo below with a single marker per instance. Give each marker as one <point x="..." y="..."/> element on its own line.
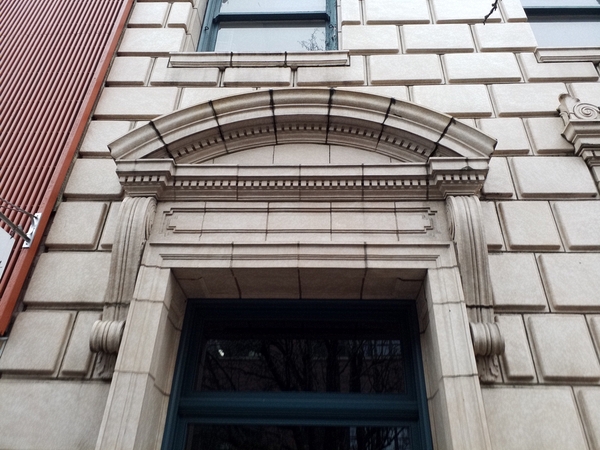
<point x="430" y="158"/>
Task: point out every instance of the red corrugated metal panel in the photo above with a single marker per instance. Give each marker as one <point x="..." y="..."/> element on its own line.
<point x="53" y="58"/>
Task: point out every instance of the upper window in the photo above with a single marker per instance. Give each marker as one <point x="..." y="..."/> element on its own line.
<point x="269" y="26"/>
<point x="298" y="375"/>
<point x="564" y="23"/>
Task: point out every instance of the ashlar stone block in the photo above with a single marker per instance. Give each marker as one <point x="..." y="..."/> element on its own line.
<point x="387" y="11"/>
<point x="464" y="11"/>
<point x="510" y="133"/>
<point x="36" y="342"/>
<point x="77" y="225"/>
<point x="516" y="359"/>
<point x="552" y="177"/>
<point x="351" y="75"/>
<point x="578" y="224"/>
<point x="69" y="278"/>
<point x="529" y="226"/>
<point x="481" y="68"/>
<point x="546" y="137"/>
<point x="589" y="404"/>
<point x="129" y="71"/>
<point x="405" y="69"/>
<point x="148" y="15"/>
<point x="460" y="101"/>
<point x="498" y="37"/>
<point x="397" y="92"/>
<point x="587" y="92"/>
<point x="152" y="41"/>
<point x="181" y="16"/>
<point x="563" y="71"/>
<point x="371" y="39"/>
<point x="595" y="328"/>
<point x="93" y="179"/>
<point x="194" y="96"/>
<point x="532" y="99"/>
<point x="350" y="12"/>
<point x="563" y="348"/>
<point x="498" y="183"/>
<point x="78" y="356"/>
<point x="259" y="76"/>
<point x="572" y="281"/>
<point x="110" y="226"/>
<point x="437" y="38"/>
<point x="99" y="134"/>
<point x="533" y="418"/>
<point x="163" y="75"/>
<point x="513" y="11"/>
<point x="135" y="103"/>
<point x="493" y="233"/>
<point x="51" y="414"/>
<point x="516" y="283"/>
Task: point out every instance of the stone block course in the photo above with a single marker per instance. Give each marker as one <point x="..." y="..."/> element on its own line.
<point x="388" y="12"/>
<point x="129" y="71"/>
<point x="533" y="99"/>
<point x="36" y="342"/>
<point x="552" y="177"/>
<point x="135" y="103"/>
<point x="481" y="67"/>
<point x="563" y="348"/>
<point x="533" y="418"/>
<point x="457" y="100"/>
<point x="571" y="281"/>
<point x="501" y="37"/>
<point x="99" y="134"/>
<point x="78" y="356"/>
<point x="546" y="138"/>
<point x="529" y="226"/>
<point x="163" y="75"/>
<point x="578" y="224"/>
<point x="498" y="183"/>
<point x="510" y="133"/>
<point x="69" y="278"/>
<point x="538" y="71"/>
<point x="77" y="225"/>
<point x="516" y="359"/>
<point x="516" y="282"/>
<point x="405" y="69"/>
<point x="94" y="179"/>
<point x="152" y="41"/>
<point x="372" y="39"/>
<point x="333" y="76"/>
<point x="148" y="15"/>
<point x="437" y="38"/>
<point x="260" y="76"/>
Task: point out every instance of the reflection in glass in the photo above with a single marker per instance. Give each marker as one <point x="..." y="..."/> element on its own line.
<point x="262" y="6"/>
<point x="271" y="37"/>
<point x="240" y="437"/>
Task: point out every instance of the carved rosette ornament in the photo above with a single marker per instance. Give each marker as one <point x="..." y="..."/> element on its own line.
<point x="134" y="224"/>
<point x="466" y="228"/>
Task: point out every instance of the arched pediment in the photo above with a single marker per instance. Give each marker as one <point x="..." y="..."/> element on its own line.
<point x="401" y="130"/>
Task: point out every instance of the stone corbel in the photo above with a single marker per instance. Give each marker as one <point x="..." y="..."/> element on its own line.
<point x="134" y="224"/>
<point x="582" y="129"/>
<point x="466" y="227"/>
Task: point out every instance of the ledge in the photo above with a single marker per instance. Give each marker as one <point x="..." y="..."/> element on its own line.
<point x="590" y="54"/>
<point x="285" y="59"/>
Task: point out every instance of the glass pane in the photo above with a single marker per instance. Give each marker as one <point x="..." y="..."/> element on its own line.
<point x="559" y="3"/>
<point x="232" y="437"/>
<point x="263" y="6"/>
<point x="271" y="37"/>
<point x="328" y="357"/>
<point x="567" y="34"/>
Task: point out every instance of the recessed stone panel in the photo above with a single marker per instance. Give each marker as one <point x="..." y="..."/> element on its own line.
<point x="533" y="418"/>
<point x="69" y="278"/>
<point x="516" y="283"/>
<point x="516" y="359"/>
<point x="36" y="342"/>
<point x="552" y="177"/>
<point x="563" y="348"/>
<point x="579" y="224"/>
<point x="529" y="226"/>
<point x="572" y="281"/>
<point x="77" y="225"/>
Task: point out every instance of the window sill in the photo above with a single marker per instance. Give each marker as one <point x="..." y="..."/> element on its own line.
<point x="286" y="59"/>
<point x="561" y="54"/>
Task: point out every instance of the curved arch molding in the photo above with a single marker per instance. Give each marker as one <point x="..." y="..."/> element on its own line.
<point x="436" y="150"/>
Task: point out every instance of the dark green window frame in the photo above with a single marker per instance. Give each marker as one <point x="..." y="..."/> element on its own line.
<point x="549" y="21"/>
<point x="187" y="406"/>
<point x="214" y="18"/>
